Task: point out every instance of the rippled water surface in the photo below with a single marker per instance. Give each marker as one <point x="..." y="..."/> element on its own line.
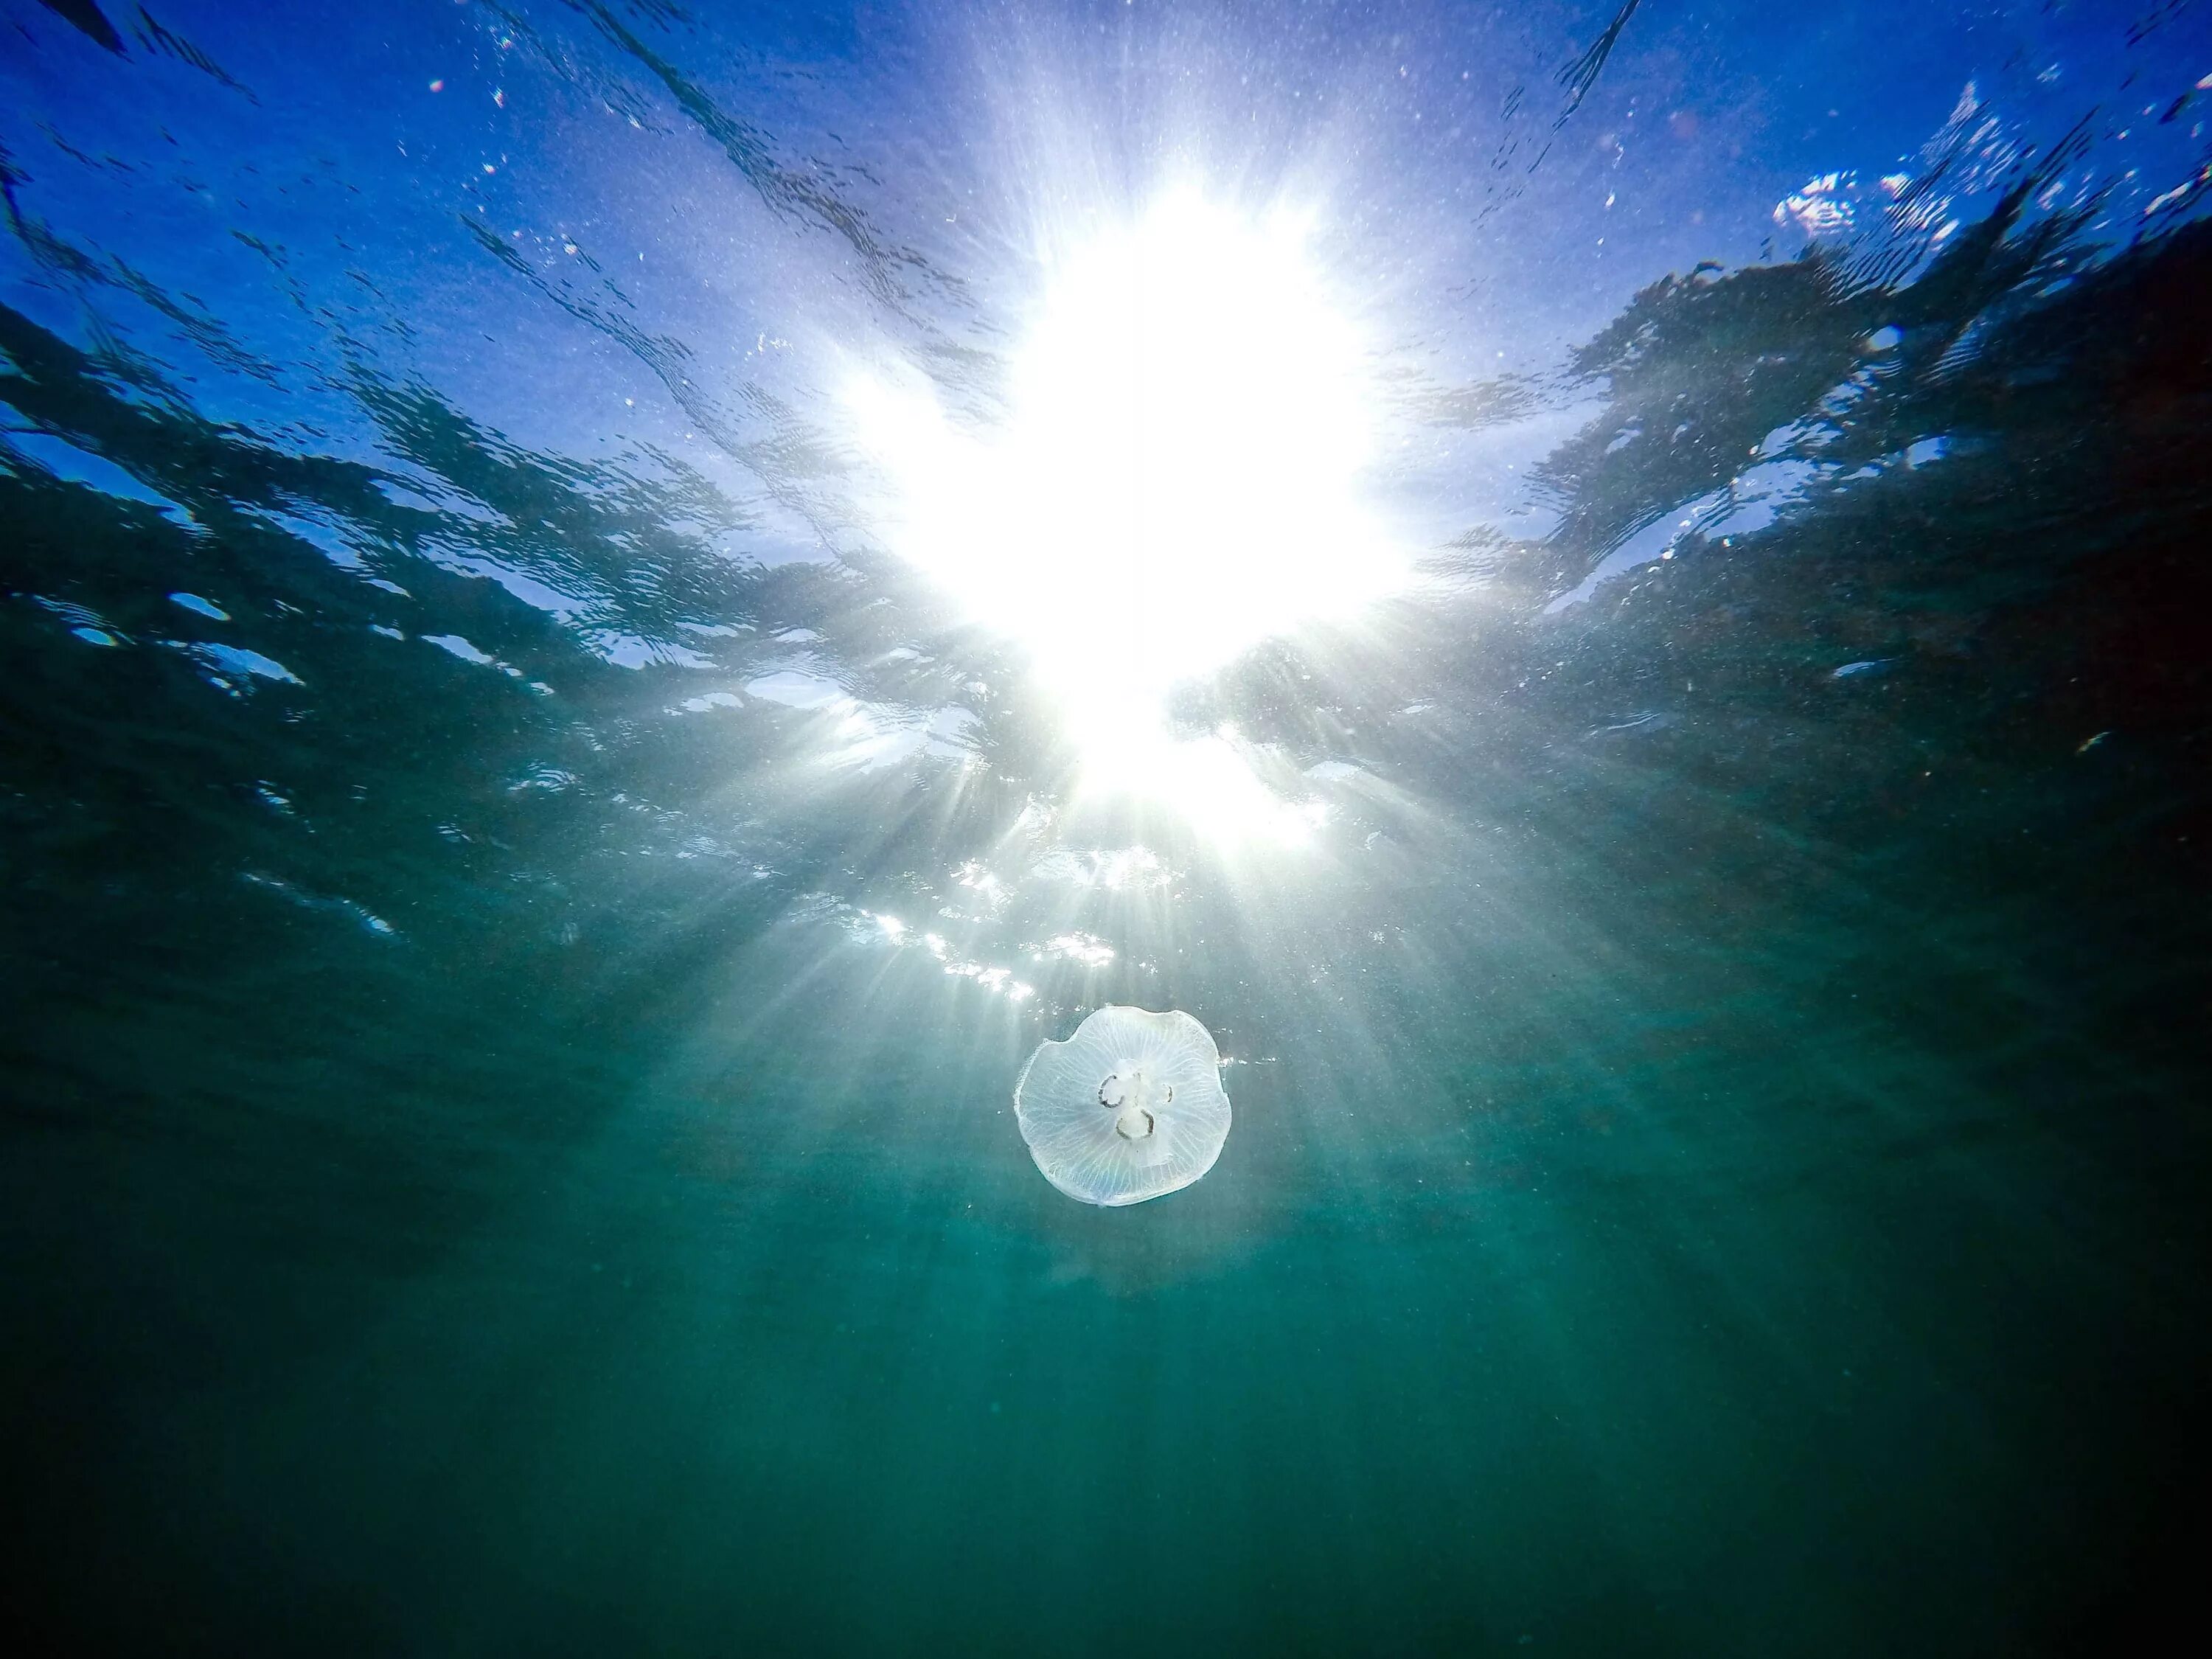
<point x="613" y="610"/>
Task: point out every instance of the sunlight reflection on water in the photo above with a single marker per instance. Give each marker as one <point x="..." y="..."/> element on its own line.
<point x="1189" y="415"/>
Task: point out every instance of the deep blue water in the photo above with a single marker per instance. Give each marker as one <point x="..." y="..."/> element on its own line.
<point x="532" y="865"/>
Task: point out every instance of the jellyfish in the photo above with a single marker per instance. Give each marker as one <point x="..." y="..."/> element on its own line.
<point x="1130" y="1108"/>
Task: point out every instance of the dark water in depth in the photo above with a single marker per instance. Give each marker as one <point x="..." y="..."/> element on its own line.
<point x="1721" y="1148"/>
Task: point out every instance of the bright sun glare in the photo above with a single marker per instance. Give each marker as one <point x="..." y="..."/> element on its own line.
<point x="1189" y="416"/>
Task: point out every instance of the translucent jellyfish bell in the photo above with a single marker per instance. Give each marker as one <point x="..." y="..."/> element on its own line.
<point x="1130" y="1108"/>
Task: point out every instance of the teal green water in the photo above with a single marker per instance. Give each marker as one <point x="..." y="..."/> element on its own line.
<point x="1720" y="1152"/>
<point x="1750" y="1274"/>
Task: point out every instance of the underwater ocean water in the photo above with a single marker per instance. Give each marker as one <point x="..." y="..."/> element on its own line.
<point x="615" y="610"/>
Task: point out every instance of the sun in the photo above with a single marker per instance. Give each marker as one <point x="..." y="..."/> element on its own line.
<point x="1190" y="415"/>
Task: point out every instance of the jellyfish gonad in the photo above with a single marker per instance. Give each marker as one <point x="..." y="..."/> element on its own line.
<point x="1130" y="1108"/>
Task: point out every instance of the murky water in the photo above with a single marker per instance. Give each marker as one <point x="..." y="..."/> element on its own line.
<point x="612" y="611"/>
